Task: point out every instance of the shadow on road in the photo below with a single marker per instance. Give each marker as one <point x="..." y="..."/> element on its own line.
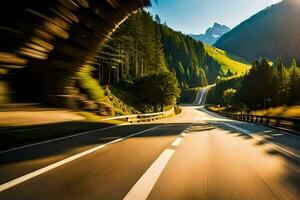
<point x="43" y="155"/>
<point x="14" y="136"/>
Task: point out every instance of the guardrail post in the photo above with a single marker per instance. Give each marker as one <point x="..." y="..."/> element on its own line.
<point x="277" y="123"/>
<point x="296" y="125"/>
<point x="282" y="123"/>
<point x="268" y="121"/>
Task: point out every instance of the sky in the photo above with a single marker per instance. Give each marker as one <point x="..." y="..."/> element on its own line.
<point x="195" y="16"/>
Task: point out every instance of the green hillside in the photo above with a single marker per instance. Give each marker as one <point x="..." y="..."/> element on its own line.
<point x="143" y="46"/>
<point x="227" y="61"/>
<point x="272" y="33"/>
<point x="194" y="63"/>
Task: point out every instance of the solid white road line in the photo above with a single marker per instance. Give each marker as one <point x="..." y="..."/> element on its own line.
<point x="38" y="172"/>
<point x="237" y="128"/>
<point x="142" y="188"/>
<point x="279" y="134"/>
<point x="177" y="142"/>
<point x="262" y="126"/>
<point x="57" y="139"/>
<point x="268" y="143"/>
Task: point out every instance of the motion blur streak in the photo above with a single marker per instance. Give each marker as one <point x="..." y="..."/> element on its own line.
<point x="45" y="39"/>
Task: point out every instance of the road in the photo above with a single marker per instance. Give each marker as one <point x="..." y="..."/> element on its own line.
<point x="195" y="155"/>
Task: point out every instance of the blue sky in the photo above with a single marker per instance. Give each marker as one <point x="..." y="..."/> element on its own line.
<point x="195" y="16"/>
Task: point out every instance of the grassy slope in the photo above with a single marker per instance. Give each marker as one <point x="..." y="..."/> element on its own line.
<point x="228" y="61"/>
<point x="122" y="101"/>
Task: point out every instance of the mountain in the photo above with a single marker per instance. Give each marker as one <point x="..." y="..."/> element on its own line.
<point x="272" y="33"/>
<point x="193" y="61"/>
<point x="142" y="46"/>
<point x="212" y="34"/>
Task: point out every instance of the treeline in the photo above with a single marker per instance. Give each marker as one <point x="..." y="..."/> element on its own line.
<point x="134" y="51"/>
<point x="134" y="62"/>
<point x="264" y="86"/>
<point x="185" y="56"/>
<point x="144" y="49"/>
<point x="143" y="46"/>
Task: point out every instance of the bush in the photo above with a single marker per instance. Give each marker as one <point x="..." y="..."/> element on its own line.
<point x="89" y="85"/>
<point x="157" y="90"/>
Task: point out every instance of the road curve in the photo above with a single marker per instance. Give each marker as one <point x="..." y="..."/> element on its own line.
<point x="195" y="155"/>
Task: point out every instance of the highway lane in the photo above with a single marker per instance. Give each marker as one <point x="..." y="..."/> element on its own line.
<point x="201" y="96"/>
<point x="22" y="161"/>
<point x="196" y="155"/>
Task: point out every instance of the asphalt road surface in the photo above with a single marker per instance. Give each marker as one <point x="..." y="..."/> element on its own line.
<point x="195" y="155"/>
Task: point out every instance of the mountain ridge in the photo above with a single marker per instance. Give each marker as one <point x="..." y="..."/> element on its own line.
<point x="212" y="34"/>
<point x="269" y="33"/>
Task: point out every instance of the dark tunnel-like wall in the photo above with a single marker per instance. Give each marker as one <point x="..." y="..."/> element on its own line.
<point x="44" y="42"/>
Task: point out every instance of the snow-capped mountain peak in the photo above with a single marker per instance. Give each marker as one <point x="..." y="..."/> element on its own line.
<point x="212" y="34"/>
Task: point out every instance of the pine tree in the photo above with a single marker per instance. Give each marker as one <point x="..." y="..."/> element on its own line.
<point x="257" y="90"/>
<point x="282" y="83"/>
<point x="294" y="83"/>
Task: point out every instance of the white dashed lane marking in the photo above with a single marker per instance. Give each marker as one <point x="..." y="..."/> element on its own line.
<point x="177" y="142"/>
<point x="143" y="187"/>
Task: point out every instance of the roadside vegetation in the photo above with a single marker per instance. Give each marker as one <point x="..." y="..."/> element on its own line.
<point x="281" y="111"/>
<point x="265" y="86"/>
<point x="146" y="64"/>
<point x="144" y="68"/>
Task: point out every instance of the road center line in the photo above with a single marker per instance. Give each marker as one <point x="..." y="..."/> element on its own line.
<point x="268" y="143"/>
<point x="176" y="142"/>
<point x="143" y="187"/>
<point x="43" y="170"/>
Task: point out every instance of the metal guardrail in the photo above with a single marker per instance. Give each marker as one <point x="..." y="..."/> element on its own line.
<point x="143" y="117"/>
<point x="291" y="124"/>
